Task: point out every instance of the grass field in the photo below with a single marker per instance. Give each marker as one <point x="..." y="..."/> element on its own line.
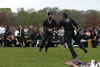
<point x="31" y="57"/>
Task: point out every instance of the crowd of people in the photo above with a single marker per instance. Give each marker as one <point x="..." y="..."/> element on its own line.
<point x="20" y="36"/>
<point x="90" y="36"/>
<point x="23" y="36"/>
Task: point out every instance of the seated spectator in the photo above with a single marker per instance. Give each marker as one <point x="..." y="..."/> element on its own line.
<point x="84" y="39"/>
<point x="35" y="37"/>
<point x="8" y="41"/>
<point x="93" y="39"/>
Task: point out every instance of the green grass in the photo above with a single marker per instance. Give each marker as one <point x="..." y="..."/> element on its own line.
<point x="31" y="57"/>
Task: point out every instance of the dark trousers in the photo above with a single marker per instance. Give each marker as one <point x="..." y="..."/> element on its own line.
<point x="46" y="42"/>
<point x="8" y="43"/>
<point x="1" y="41"/>
<point x="85" y="44"/>
<point x="68" y="39"/>
<point x="61" y="38"/>
<point x="94" y="43"/>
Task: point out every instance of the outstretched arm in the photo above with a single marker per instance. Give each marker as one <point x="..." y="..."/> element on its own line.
<point x="74" y="24"/>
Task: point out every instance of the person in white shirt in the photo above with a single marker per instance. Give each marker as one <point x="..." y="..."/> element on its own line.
<point x="61" y="35"/>
<point x="16" y="32"/>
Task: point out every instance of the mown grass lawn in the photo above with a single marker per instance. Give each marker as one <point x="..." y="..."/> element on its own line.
<point x="55" y="57"/>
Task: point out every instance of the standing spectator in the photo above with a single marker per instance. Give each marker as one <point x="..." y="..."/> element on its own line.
<point x="31" y="29"/>
<point x="2" y="31"/>
<point x="26" y="37"/>
<point x="26" y="30"/>
<point x="61" y="35"/>
<point x="99" y="35"/>
<point x="20" y="35"/>
<point x="97" y="30"/>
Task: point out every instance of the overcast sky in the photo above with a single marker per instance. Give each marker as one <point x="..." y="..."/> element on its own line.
<point x="61" y="4"/>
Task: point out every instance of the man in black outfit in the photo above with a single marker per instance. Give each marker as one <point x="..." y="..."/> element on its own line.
<point x="69" y="27"/>
<point x="49" y="25"/>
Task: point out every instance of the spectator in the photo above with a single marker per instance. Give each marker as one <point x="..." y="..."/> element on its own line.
<point x="93" y="39"/>
<point x="61" y="35"/>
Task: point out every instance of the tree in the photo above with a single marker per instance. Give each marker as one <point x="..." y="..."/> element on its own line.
<point x="3" y="18"/>
<point x="4" y="15"/>
<point x="92" y="18"/>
